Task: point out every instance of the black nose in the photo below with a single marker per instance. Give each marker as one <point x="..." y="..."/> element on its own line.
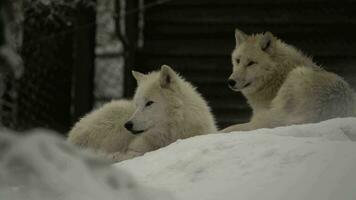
<point x="129" y="125"/>
<point x="231" y="83"/>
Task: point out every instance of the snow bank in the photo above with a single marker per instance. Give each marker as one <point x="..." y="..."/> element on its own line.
<point x="41" y="166"/>
<point x="309" y="162"/>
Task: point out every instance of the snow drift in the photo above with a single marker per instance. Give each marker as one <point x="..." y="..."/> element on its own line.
<point x="41" y="166"/>
<point x="309" y="162"/>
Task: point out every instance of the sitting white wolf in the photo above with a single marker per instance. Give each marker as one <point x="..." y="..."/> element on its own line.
<point x="168" y="108"/>
<point x="283" y="86"/>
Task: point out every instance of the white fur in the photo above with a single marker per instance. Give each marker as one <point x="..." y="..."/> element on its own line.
<point x="283" y="86"/>
<point x="178" y="112"/>
<point x="102" y="130"/>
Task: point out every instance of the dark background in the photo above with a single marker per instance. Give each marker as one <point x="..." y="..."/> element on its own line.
<point x="197" y="37"/>
<point x="194" y="37"/>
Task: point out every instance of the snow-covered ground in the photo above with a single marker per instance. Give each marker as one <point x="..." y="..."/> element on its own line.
<point x="301" y="162"/>
<point x="42" y="166"/>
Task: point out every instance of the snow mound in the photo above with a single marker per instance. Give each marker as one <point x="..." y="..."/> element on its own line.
<point x="41" y="166"/>
<point x="309" y="162"/>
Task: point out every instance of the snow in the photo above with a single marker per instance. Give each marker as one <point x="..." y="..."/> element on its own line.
<point x="309" y="162"/>
<point x="42" y="166"/>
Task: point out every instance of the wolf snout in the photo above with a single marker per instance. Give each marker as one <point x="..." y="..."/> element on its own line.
<point x="128" y="125"/>
<point x="238" y="85"/>
<point x="231" y="83"/>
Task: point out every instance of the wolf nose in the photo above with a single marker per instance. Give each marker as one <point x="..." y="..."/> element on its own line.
<point x="231" y="83"/>
<point x="128" y="125"/>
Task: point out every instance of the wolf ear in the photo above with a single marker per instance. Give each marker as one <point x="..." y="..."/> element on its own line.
<point x="239" y="37"/>
<point x="266" y="41"/>
<point x="167" y="76"/>
<point x="138" y="75"/>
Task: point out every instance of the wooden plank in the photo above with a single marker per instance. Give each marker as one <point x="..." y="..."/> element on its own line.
<point x="217" y="90"/>
<point x="215" y="46"/>
<point x="154" y="31"/>
<point x="257" y="14"/>
<point x="189" y="65"/>
<point x="184" y="63"/>
<point x="250" y="2"/>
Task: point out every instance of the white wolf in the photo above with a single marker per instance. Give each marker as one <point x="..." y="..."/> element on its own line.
<point x="283" y="86"/>
<point x="167" y="109"/>
<point x="102" y="130"/>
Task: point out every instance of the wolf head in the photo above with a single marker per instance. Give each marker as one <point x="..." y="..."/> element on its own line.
<point x="252" y="61"/>
<point x="153" y="100"/>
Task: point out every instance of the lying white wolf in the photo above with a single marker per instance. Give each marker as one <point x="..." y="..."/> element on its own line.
<point x="283" y="86"/>
<point x="167" y="109"/>
<point x="102" y="130"/>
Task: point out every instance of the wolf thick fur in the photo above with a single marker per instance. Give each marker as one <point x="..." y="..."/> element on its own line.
<point x="168" y="108"/>
<point x="102" y="130"/>
<point x="165" y="108"/>
<point x="283" y="86"/>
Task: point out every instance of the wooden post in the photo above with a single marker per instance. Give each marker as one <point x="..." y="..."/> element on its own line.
<point x="131" y="21"/>
<point x="2" y="26"/>
<point x="83" y="74"/>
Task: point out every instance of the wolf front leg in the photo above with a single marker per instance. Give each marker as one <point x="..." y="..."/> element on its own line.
<point x="238" y="127"/>
<point x="260" y="120"/>
<point x="137" y="147"/>
<point x="121" y="156"/>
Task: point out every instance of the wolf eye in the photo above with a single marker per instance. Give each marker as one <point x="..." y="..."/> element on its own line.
<point x="149" y="103"/>
<point x="251" y="63"/>
<point x="237" y="61"/>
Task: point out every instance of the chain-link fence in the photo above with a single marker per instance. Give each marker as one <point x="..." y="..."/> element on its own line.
<point x="48" y="94"/>
<point x="56" y="34"/>
<point x="109" y="63"/>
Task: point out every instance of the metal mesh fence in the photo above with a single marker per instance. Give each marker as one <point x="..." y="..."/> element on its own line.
<point x="109" y="62"/>
<point x="44" y="90"/>
<point x="43" y="96"/>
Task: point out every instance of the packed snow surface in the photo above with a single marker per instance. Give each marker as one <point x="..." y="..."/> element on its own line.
<point x="309" y="162"/>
